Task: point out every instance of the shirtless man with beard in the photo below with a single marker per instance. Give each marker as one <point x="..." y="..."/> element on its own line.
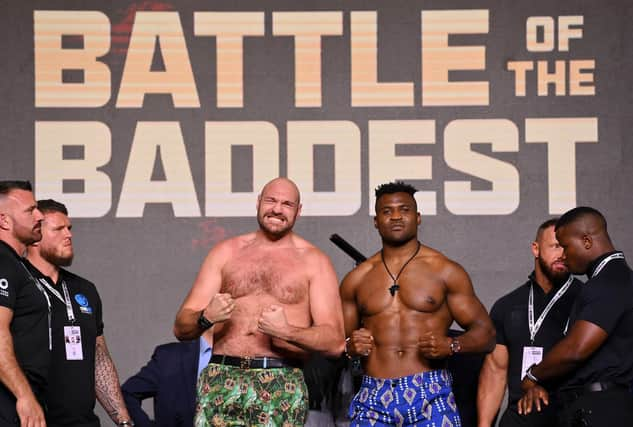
<point x="271" y="298"/>
<point x="398" y="306"/>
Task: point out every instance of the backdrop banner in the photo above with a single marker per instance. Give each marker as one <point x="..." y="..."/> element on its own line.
<point x="158" y="122"/>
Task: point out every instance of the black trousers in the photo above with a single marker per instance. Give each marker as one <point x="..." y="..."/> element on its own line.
<point x="609" y="408"/>
<point x="8" y="414"/>
<point x="545" y="418"/>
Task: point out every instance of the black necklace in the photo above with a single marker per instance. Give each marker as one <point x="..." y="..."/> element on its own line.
<point x="393" y="288"/>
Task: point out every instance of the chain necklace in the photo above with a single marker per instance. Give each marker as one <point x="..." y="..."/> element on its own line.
<point x="393" y="288"/>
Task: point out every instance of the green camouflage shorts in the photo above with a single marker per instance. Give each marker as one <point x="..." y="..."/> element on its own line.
<point x="232" y="396"/>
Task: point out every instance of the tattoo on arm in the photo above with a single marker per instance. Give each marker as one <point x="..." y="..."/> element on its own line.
<point x="107" y="386"/>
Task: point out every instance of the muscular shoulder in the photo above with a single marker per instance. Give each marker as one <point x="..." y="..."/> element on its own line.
<point x="226" y="249"/>
<point x="360" y="273"/>
<point x="440" y="263"/>
<point x="306" y="251"/>
<point x="300" y="244"/>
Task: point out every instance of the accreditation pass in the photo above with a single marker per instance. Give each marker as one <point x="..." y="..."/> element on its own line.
<point x="72" y="338"/>
<point x="531" y="356"/>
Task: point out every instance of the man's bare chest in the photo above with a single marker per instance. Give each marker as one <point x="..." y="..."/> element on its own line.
<point x="415" y="290"/>
<point x="282" y="276"/>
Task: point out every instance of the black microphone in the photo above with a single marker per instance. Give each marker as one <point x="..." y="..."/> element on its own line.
<point x="347" y="248"/>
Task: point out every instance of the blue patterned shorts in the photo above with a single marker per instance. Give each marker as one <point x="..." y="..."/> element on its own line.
<point x="424" y="399"/>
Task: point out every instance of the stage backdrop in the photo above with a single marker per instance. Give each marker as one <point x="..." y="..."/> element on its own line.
<point x="157" y="123"/>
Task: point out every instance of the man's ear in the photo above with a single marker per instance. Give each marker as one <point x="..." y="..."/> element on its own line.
<point x="535" y="249"/>
<point x="5" y="222"/>
<point x="419" y="218"/>
<point x="587" y="241"/>
<point x="375" y="222"/>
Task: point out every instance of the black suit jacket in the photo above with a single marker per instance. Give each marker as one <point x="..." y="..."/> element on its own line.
<point x="170" y="378"/>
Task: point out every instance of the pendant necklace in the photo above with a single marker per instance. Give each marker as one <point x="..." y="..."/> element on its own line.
<point x="395" y="286"/>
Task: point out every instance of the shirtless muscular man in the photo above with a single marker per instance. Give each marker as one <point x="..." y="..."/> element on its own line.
<point x="397" y="307"/>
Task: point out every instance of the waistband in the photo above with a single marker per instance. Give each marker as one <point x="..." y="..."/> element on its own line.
<point x="570" y="394"/>
<point x="254" y="362"/>
<point x="438" y="376"/>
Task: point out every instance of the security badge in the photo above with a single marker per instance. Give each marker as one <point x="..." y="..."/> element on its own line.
<point x="531" y="356"/>
<point x="72" y="339"/>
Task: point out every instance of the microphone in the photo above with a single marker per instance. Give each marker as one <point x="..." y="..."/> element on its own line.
<point x="347" y="248"/>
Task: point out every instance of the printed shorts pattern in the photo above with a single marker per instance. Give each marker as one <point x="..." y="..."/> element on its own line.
<point x="423" y="400"/>
<point x="232" y="396"/>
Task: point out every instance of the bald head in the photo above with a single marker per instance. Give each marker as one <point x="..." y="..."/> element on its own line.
<point x="278" y="207"/>
<point x="282" y="184"/>
<point x="584" y="220"/>
<point x="582" y="232"/>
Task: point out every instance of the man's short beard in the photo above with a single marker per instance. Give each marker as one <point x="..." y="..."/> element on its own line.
<point x="276" y="234"/>
<point x="30" y="238"/>
<point x="556" y="278"/>
<point x="59" y="261"/>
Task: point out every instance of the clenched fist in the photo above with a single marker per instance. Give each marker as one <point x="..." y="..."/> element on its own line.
<point x="273" y="321"/>
<point x="360" y="343"/>
<point x="220" y="308"/>
<point x="434" y="346"/>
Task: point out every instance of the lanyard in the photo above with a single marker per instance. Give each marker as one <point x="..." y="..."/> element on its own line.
<point x="66" y="300"/>
<point x="617" y="255"/>
<point x="534" y="327"/>
<point x="48" y="303"/>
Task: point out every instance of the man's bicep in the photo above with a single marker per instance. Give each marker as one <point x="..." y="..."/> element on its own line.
<point x="498" y="358"/>
<point x="467" y="310"/>
<point x="325" y="301"/>
<point x="348" y="300"/>
<point x="6" y="316"/>
<point x="464" y="305"/>
<point x="584" y="338"/>
<point x="207" y="283"/>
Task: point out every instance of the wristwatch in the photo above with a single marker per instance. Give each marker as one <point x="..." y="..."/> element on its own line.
<point x="347" y="340"/>
<point x="455" y="346"/>
<point x="203" y="322"/>
<point x="124" y="423"/>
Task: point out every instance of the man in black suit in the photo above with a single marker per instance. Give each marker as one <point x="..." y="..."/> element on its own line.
<point x="170" y="379"/>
